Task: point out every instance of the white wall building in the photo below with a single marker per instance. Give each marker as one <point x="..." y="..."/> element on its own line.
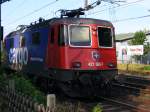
<point x="122" y="40"/>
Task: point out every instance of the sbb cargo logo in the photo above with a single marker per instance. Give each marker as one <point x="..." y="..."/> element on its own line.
<point x="18" y="56"/>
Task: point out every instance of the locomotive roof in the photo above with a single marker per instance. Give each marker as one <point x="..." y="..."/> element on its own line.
<point x="84" y="21"/>
<point x="71" y="21"/>
<point x="45" y="23"/>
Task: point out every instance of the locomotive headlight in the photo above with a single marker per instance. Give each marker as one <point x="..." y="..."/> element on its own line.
<point x="76" y="64"/>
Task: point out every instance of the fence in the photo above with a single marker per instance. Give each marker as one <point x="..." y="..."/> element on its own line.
<point x="131" y="62"/>
<point x="141" y="60"/>
<point x="12" y="101"/>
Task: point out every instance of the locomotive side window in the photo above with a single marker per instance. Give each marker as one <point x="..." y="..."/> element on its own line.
<point x="22" y="41"/>
<point x="80" y="35"/>
<point x="36" y="38"/>
<point x="62" y="35"/>
<point x="105" y="37"/>
<point x="12" y="43"/>
<point x="52" y="36"/>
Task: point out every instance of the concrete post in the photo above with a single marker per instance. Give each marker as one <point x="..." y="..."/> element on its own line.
<point x="51" y="102"/>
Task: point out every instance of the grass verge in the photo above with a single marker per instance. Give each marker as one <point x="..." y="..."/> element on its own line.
<point x="134" y="68"/>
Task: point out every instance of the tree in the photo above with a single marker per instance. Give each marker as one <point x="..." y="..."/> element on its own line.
<point x="139" y="38"/>
<point x="146" y="48"/>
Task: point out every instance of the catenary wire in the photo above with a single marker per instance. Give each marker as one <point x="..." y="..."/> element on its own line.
<point x="127" y="4"/>
<point x="126" y="19"/>
<point x="37" y="10"/>
<point x="132" y="18"/>
<point x="12" y="12"/>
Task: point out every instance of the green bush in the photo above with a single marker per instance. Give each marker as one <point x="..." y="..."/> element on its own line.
<point x="146" y="67"/>
<point x="23" y="85"/>
<point x="2" y="76"/>
<point x="26" y="87"/>
<point x="97" y="108"/>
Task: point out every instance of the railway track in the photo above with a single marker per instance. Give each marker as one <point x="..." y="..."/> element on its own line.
<point x="116" y="102"/>
<point x="135" y="79"/>
<point x="106" y="104"/>
<point x="123" y="106"/>
<point x="133" y="92"/>
<point x="119" y="101"/>
<point x="135" y="83"/>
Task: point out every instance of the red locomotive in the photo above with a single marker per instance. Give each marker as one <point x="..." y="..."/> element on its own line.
<point x="73" y="53"/>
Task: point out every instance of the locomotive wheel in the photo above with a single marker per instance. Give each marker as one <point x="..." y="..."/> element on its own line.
<point x="46" y="85"/>
<point x="68" y="89"/>
<point x="106" y="89"/>
<point x="51" y="86"/>
<point x="77" y="90"/>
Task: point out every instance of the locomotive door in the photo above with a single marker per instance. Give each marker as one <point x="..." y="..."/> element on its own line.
<point x="53" y="50"/>
<point x="36" y="44"/>
<point x="35" y="52"/>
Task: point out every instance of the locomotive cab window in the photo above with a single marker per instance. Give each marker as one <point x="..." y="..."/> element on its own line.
<point x="105" y="37"/>
<point x="80" y="35"/>
<point x="36" y="38"/>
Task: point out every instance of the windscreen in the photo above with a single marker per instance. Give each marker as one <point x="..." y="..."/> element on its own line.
<point x="80" y="35"/>
<point x="105" y="37"/>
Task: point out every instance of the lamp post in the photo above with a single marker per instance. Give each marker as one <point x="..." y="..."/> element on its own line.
<point x="1" y="28"/>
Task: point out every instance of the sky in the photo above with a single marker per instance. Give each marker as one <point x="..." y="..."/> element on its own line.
<point x="126" y="16"/>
